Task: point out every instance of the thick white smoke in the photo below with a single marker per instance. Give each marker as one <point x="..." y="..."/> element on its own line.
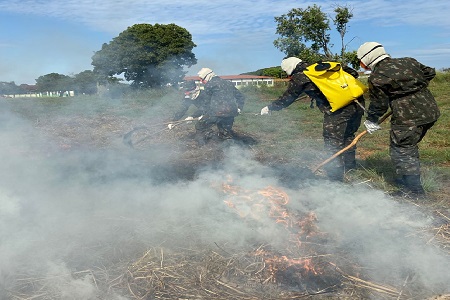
<point x="65" y="213"/>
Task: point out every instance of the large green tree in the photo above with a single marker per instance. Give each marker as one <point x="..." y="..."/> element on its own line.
<point x="54" y="82"/>
<point x="9" y="88"/>
<point x="305" y="33"/>
<point x="86" y="82"/>
<point x="147" y="55"/>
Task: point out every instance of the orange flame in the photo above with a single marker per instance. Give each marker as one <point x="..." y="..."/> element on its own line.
<point x="272" y="201"/>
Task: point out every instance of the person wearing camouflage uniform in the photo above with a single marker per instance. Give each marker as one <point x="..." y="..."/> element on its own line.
<point x="402" y="85"/>
<point x="221" y="103"/>
<point x="339" y="127"/>
<point x="191" y="93"/>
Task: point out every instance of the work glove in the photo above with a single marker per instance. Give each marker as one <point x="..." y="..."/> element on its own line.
<point x="371" y="127"/>
<point x="239" y="111"/>
<point x="189" y="119"/>
<point x="199" y="118"/>
<point x="170" y="126"/>
<point x="265" y="110"/>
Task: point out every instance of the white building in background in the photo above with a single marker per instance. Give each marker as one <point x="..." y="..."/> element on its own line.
<point x="241" y="80"/>
<point x="44" y="94"/>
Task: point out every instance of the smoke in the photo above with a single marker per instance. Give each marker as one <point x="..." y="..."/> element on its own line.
<point x="381" y="234"/>
<point x="66" y="213"/>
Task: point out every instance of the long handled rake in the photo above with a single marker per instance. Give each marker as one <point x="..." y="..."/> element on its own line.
<point x="353" y="143"/>
<point x="127" y="136"/>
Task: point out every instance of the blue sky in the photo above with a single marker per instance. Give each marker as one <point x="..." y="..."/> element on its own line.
<point x="38" y="37"/>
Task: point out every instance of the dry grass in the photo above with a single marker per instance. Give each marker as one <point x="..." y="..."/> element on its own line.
<point x="305" y="269"/>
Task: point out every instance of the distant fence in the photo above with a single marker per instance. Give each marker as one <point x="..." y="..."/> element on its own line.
<point x="41" y="95"/>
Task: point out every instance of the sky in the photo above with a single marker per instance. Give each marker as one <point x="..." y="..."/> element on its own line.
<point x="38" y="37"/>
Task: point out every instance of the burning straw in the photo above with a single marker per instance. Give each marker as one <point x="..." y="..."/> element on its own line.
<point x="305" y="267"/>
<point x="260" y="273"/>
<point x="203" y="275"/>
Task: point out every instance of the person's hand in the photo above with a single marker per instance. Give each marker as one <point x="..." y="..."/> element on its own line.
<point x="199" y="118"/>
<point x="189" y="119"/>
<point x="265" y="110"/>
<point x="239" y="111"/>
<point x="170" y="126"/>
<point x="371" y="127"/>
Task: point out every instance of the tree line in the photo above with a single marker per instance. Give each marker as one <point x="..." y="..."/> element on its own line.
<point x="82" y="83"/>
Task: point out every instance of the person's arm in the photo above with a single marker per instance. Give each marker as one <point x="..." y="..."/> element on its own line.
<point x="197" y="113"/>
<point x="428" y="72"/>
<point x="185" y="104"/>
<point x="350" y="71"/>
<point x="379" y="102"/>
<point x="240" y="99"/>
<point x="294" y="90"/>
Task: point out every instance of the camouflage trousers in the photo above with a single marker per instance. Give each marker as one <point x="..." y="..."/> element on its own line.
<point x="224" y="126"/>
<point x="339" y="130"/>
<point x="404" y="149"/>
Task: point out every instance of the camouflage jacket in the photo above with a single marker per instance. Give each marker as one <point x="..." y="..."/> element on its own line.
<point x="402" y="85"/>
<point x="185" y="104"/>
<point x="299" y="84"/>
<point x="220" y="98"/>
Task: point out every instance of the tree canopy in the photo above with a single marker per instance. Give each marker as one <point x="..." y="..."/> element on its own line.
<point x="147" y="55"/>
<point x="54" y="82"/>
<point x="276" y="72"/>
<point x="305" y="33"/>
<point x="86" y="82"/>
<point x="7" y="88"/>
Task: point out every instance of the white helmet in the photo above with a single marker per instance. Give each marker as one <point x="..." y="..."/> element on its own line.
<point x="370" y="53"/>
<point x="288" y="65"/>
<point x="206" y="74"/>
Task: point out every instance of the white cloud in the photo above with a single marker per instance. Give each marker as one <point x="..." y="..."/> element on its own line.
<point x="232" y="30"/>
<point x="220" y="16"/>
<point x="390" y="13"/>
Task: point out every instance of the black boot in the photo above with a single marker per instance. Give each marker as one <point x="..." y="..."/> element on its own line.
<point x="413" y="185"/>
<point x="349" y="160"/>
<point x="350" y="166"/>
<point x="398" y="181"/>
<point x="203" y="137"/>
<point x="226" y="134"/>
